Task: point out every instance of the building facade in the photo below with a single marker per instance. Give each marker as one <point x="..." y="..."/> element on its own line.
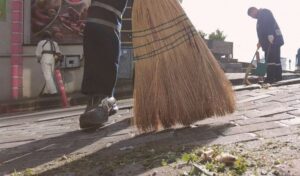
<point x="21" y="25"/>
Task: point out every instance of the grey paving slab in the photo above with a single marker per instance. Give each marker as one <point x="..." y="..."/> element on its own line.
<point x="247" y="113"/>
<point x="268" y="106"/>
<point x="284" y="131"/>
<point x="296" y="112"/>
<point x="293" y="167"/>
<point x="269" y="112"/>
<point x="248" y="106"/>
<point x="225" y="140"/>
<point x="277" y="117"/>
<point x="219" y="120"/>
<point x="291" y="103"/>
<point x="294" y="121"/>
<point x="290" y="98"/>
<point x="275" y="97"/>
<point x="254" y="98"/>
<point x="250" y="128"/>
<point x="296" y="106"/>
<point x="242" y="97"/>
<point x="16" y="139"/>
<point x="261" y="114"/>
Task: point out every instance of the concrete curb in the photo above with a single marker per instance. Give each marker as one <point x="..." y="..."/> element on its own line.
<point x="257" y="86"/>
<point x="249" y="87"/>
<point x="287" y="82"/>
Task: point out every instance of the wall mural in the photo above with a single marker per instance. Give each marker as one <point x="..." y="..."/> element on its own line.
<point x="2" y="10"/>
<point x="64" y="18"/>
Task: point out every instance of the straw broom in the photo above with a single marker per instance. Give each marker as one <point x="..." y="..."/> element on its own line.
<point x="177" y="79"/>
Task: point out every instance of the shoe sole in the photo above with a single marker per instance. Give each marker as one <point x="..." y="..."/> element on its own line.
<point x="92" y="119"/>
<point x="91" y="129"/>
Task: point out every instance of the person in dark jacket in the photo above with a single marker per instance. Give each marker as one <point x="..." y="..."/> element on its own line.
<point x="270" y="39"/>
<point x="101" y="47"/>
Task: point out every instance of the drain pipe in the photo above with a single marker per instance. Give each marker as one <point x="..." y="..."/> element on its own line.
<point x="16" y="48"/>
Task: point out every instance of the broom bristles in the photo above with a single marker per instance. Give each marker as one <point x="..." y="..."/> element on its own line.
<point x="177" y="79"/>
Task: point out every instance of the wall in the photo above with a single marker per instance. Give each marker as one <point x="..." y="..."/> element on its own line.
<point x="5" y="82"/>
<point x="5" y="33"/>
<point x="33" y="80"/>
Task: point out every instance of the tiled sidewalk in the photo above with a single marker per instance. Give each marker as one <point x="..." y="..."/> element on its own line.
<point x="267" y="122"/>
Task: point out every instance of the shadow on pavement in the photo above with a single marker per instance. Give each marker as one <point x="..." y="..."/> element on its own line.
<point x="42" y="151"/>
<point x="106" y="160"/>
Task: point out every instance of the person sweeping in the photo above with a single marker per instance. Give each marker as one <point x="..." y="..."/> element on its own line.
<point x="270" y="39"/>
<point x="177" y="78"/>
<point x="101" y="45"/>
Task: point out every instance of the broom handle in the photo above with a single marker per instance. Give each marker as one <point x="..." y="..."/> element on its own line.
<point x="249" y="69"/>
<point x="250" y="64"/>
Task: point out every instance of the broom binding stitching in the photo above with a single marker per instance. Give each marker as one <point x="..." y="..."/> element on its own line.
<point x="167" y="48"/>
<point x="152" y="28"/>
<point x="169" y="36"/>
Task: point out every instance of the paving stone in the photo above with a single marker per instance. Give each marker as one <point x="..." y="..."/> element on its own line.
<point x="253" y="145"/>
<point x="15" y="139"/>
<point x="5" y="146"/>
<point x="269" y="106"/>
<point x="257" y="105"/>
<point x="296" y="105"/>
<point x="293" y="167"/>
<point x="253" y="98"/>
<point x="290" y="98"/>
<point x="58" y="117"/>
<point x="249" y="113"/>
<point x="201" y="136"/>
<point x="291" y="103"/>
<point x="266" y="113"/>
<point x="250" y="128"/>
<point x="126" y="131"/>
<point x="225" y="140"/>
<point x="276" y="110"/>
<point x="242" y="97"/>
<point x="293" y="139"/>
<point x="275" y="97"/>
<point x="277" y="117"/>
<point x="244" y="93"/>
<point x="274" y="92"/>
<point x="284" y="131"/>
<point x="294" y="121"/>
<point x="219" y="120"/>
<point x="295" y="112"/>
<point x="244" y="106"/>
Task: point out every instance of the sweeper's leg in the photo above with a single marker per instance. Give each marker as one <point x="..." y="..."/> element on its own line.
<point x="97" y="113"/>
<point x="274" y="70"/>
<point x="94" y="101"/>
<point x="101" y="50"/>
<point x="278" y="68"/>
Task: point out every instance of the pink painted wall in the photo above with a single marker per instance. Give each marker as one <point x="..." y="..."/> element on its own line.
<point x="16" y="48"/>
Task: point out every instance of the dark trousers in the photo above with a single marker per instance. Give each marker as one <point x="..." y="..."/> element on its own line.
<point x="101" y="47"/>
<point x="274" y="69"/>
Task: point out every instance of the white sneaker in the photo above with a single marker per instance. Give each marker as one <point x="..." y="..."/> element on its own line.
<point x="110" y="104"/>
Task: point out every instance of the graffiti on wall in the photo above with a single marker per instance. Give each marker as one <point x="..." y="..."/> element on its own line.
<point x="63" y="18"/>
<point x="2" y="10"/>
